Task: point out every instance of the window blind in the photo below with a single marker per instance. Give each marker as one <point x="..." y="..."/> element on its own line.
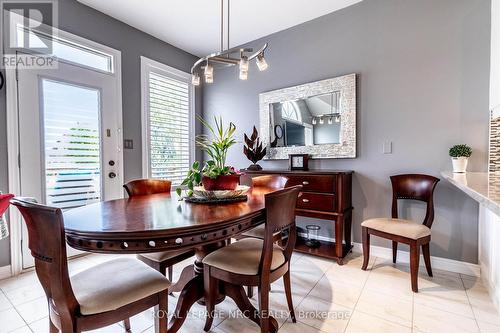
<point x="169" y="130"/>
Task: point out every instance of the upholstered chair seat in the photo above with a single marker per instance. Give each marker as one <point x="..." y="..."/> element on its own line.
<point x="162" y="256"/>
<point x="243" y="257"/>
<point x="400" y="227"/>
<point x="113" y="284"/>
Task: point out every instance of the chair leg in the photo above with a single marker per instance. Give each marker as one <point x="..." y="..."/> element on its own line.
<point x="264" y="307"/>
<point x="170" y="273"/>
<point x="52" y="327"/>
<point x="394" y="251"/>
<point x="249" y="291"/>
<point x="126" y="324"/>
<point x="210" y="295"/>
<point x="366" y="247"/>
<point x="288" y="292"/>
<point x="161" y="313"/>
<point x="427" y="258"/>
<point x="414" y="261"/>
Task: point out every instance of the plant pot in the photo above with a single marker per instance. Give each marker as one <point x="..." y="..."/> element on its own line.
<point x="459" y="164"/>
<point x="221" y="183"/>
<point x="254" y="167"/>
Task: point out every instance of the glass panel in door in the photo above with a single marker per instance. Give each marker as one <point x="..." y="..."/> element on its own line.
<point x="72" y="152"/>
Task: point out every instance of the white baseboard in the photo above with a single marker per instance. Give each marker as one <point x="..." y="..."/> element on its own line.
<point x="436" y="262"/>
<point x="5" y="272"/>
<point x="493" y="290"/>
<point x="404" y="257"/>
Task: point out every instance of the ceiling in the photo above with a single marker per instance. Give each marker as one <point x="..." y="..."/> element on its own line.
<point x="194" y="25"/>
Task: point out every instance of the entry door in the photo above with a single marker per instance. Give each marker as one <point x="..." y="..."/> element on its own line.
<point x="69" y="138"/>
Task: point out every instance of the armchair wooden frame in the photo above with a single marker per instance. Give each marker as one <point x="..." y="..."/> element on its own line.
<point x="280" y="216"/>
<point x="48" y="247"/>
<point x="410" y="187"/>
<point x="147" y="187"/>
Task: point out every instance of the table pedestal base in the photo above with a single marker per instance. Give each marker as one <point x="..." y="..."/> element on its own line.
<point x="191" y="289"/>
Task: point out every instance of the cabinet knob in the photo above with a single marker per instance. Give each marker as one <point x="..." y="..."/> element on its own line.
<point x="305" y="183"/>
<point x="305" y="200"/>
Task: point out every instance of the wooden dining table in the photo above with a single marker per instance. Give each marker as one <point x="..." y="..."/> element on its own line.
<point x="160" y="222"/>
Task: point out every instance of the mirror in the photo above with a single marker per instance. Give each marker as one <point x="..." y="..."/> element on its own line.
<point x="309" y="121"/>
<point x="317" y="118"/>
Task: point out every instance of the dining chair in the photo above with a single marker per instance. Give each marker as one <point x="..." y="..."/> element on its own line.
<point x="161" y="261"/>
<point x="257" y="262"/>
<point x="276" y="182"/>
<point x="408" y="187"/>
<point x="97" y="297"/>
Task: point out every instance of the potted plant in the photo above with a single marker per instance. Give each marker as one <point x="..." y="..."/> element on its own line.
<point x="459" y="157"/>
<point x="215" y="174"/>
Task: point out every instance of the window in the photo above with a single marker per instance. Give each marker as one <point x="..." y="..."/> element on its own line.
<point x="167" y="121"/>
<point x="289" y="111"/>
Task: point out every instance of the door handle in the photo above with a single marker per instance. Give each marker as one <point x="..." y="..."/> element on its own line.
<point x="305" y="200"/>
<point x="305" y="183"/>
<point x="111" y="174"/>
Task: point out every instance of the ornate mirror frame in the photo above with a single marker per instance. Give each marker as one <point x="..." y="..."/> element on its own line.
<point x="346" y="148"/>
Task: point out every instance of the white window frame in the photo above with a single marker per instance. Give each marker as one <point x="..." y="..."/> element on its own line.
<point x="148" y="65"/>
<point x="13" y="135"/>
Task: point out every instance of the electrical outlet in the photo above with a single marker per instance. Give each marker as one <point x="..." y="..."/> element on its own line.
<point x="128" y="144"/>
<point x="387" y="147"/>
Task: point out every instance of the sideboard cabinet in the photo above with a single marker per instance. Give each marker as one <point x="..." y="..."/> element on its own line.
<point x="326" y="195"/>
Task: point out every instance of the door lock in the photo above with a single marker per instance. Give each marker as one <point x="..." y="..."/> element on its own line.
<point x="111" y="174"/>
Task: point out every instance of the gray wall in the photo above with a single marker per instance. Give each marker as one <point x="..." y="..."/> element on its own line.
<point x="423" y="73"/>
<point x="89" y="23"/>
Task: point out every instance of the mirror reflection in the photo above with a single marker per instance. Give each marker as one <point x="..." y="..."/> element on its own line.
<point x="314" y="120"/>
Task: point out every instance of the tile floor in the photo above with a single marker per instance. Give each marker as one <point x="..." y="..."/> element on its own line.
<point x="328" y="298"/>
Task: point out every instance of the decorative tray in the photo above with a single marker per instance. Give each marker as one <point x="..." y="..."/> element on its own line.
<point x="206" y="200"/>
<point x="200" y="193"/>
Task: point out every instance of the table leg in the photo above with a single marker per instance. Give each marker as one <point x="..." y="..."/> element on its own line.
<point x="187" y="275"/>
<point x="193" y="288"/>
<point x="339" y="235"/>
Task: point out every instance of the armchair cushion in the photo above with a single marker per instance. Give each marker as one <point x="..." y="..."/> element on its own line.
<point x="113" y="284"/>
<point x="243" y="257"/>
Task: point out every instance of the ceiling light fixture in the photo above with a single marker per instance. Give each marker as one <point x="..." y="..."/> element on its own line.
<point x="228" y="57"/>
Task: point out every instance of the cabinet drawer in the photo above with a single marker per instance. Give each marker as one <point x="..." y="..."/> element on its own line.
<point x="312" y="183"/>
<point x="316" y="201"/>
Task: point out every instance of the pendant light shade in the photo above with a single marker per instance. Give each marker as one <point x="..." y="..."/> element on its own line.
<point x="261" y="62"/>
<point x="195" y="79"/>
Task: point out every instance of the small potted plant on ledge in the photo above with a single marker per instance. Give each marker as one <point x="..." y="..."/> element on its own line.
<point x="215" y="174"/>
<point x="459" y="157"/>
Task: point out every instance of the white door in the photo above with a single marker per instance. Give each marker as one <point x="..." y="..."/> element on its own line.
<point x="69" y="138"/>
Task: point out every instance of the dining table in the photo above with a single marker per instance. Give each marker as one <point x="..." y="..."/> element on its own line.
<point x="162" y="222"/>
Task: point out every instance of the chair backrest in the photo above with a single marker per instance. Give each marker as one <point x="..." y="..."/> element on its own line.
<point x="272" y="181"/>
<point x="46" y="240"/>
<point x="147" y="186"/>
<point x="414" y="187"/>
<point x="280" y="216"/>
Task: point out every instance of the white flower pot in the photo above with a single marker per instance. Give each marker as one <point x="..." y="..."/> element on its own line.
<point x="459" y="164"/>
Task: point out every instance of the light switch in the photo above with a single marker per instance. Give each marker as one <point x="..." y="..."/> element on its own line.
<point x="387" y="147"/>
<point x="128" y="144"/>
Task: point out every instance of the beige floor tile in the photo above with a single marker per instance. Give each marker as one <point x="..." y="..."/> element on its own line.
<point x="362" y="322"/>
<point x="34" y="310"/>
<point x="108" y="329"/>
<point x="25" y="294"/>
<point x="298" y="327"/>
<point x="239" y="325"/>
<point x="429" y="320"/>
<point x="337" y="292"/>
<point x="22" y="280"/>
<point x="488" y="328"/>
<point x="278" y="306"/>
<point x="476" y="289"/>
<point x="40" y="326"/>
<point x="4" y="302"/>
<point x="311" y="264"/>
<point x="485" y="311"/>
<point x="10" y="320"/>
<point x="451" y="300"/>
<point x="24" y="329"/>
<point x="396" y="310"/>
<point x="348" y="274"/>
<point x="325" y="316"/>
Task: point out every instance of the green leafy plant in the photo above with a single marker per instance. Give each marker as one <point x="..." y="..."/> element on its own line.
<point x="462" y="150"/>
<point x="216" y="146"/>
